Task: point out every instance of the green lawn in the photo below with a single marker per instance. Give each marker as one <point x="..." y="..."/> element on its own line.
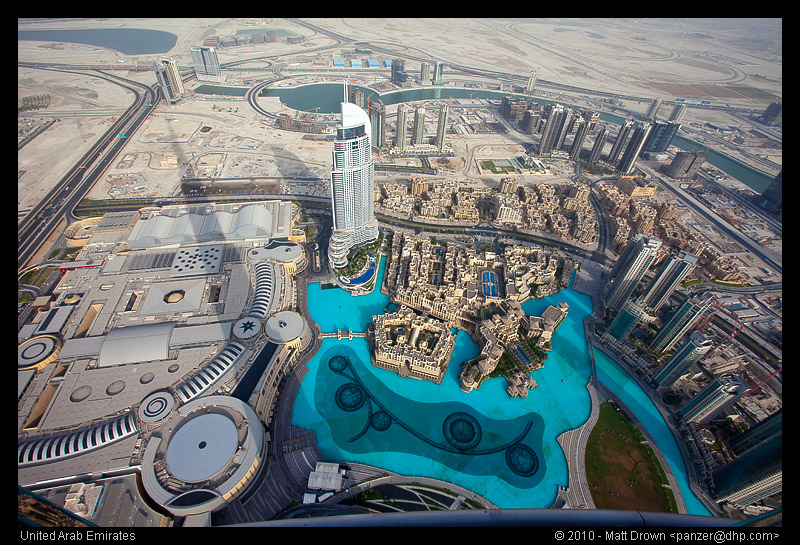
<point x="622" y="472"/>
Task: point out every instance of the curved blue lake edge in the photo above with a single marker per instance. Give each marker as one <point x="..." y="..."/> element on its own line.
<point x="502" y="448"/>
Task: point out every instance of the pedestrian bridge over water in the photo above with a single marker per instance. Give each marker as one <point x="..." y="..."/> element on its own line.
<point x="348" y="334"/>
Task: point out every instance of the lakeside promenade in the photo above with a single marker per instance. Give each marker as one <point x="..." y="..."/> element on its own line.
<point x="589" y="281"/>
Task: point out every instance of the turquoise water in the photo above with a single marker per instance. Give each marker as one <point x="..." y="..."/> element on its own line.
<point x="501" y="448"/>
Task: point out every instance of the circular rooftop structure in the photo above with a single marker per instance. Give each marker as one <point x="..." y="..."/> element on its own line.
<point x="246" y="328"/>
<point x="37" y="352"/>
<point x="202" y="447"/>
<point x="285" y="327"/>
<point x="156" y="407"/>
<point x="206" y="453"/>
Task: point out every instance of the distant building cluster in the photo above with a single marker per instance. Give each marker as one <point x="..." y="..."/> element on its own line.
<point x="632" y="209"/>
<point x="416" y="142"/>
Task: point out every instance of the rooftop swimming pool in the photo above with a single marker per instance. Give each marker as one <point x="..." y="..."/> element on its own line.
<point x="502" y="448"/>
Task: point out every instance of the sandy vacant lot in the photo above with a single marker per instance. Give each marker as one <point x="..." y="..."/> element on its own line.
<point x="728" y="60"/>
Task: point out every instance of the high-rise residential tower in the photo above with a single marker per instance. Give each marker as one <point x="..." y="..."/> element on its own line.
<point x="398" y="72"/>
<point x="687" y="355"/>
<point x="530" y="88"/>
<point x="713" y="399"/>
<point x="566" y="126"/>
<point x="653" y="109"/>
<point x="206" y="64"/>
<point x="441" y="128"/>
<point x="677" y="113"/>
<point x="686" y="164"/>
<point x="170" y="79"/>
<point x="400" y="131"/>
<point x="577" y="142"/>
<point x="438" y="73"/>
<point x="619" y="143"/>
<point x="634" y="148"/>
<point x="551" y="129"/>
<point x="631" y="267"/>
<point x="424" y="73"/>
<point x="419" y="124"/>
<point x="767" y="429"/>
<point x="597" y="148"/>
<point x="674" y="271"/>
<point x="627" y="319"/>
<point x="377" y="117"/>
<point x="661" y="135"/>
<point x="753" y="476"/>
<point x="681" y="321"/>
<point x="352" y="185"/>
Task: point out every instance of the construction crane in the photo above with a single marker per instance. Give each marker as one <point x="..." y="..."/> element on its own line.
<point x="764" y="381"/>
<point x="735" y="331"/>
<point x="711" y="312"/>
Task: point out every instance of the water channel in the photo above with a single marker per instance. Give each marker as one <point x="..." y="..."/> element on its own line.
<point x="326" y="96"/>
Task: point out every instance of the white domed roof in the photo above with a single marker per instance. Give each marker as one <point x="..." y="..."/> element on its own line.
<point x="352" y="116"/>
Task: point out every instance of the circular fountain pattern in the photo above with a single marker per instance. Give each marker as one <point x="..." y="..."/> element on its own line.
<point x="156" y="407"/>
<point x="462" y="431"/>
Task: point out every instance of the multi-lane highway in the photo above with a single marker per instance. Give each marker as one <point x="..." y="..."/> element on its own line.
<point x="39" y="223"/>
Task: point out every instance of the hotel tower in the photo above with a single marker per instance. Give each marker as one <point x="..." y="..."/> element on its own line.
<point x="352" y="185"/>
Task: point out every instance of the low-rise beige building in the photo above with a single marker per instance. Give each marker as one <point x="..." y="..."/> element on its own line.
<point x="412" y="345"/>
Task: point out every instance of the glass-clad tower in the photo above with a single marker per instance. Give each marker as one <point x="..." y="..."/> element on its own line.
<point x="687" y="355"/>
<point x="669" y="278"/>
<point x="206" y="64"/>
<point x="169" y="77"/>
<point x="681" y="321"/>
<point x="713" y="399"/>
<point x="352" y="185"/>
<point x="753" y="476"/>
<point x="630" y="269"/>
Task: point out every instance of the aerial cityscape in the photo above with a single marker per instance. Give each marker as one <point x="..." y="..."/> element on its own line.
<point x="281" y="272"/>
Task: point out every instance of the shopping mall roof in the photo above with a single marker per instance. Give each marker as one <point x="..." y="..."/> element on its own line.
<point x="189" y="224"/>
<point x="136" y="343"/>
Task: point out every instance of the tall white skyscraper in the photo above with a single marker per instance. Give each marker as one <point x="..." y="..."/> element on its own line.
<point x="352" y="185"/>
<point x="206" y="64"/>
